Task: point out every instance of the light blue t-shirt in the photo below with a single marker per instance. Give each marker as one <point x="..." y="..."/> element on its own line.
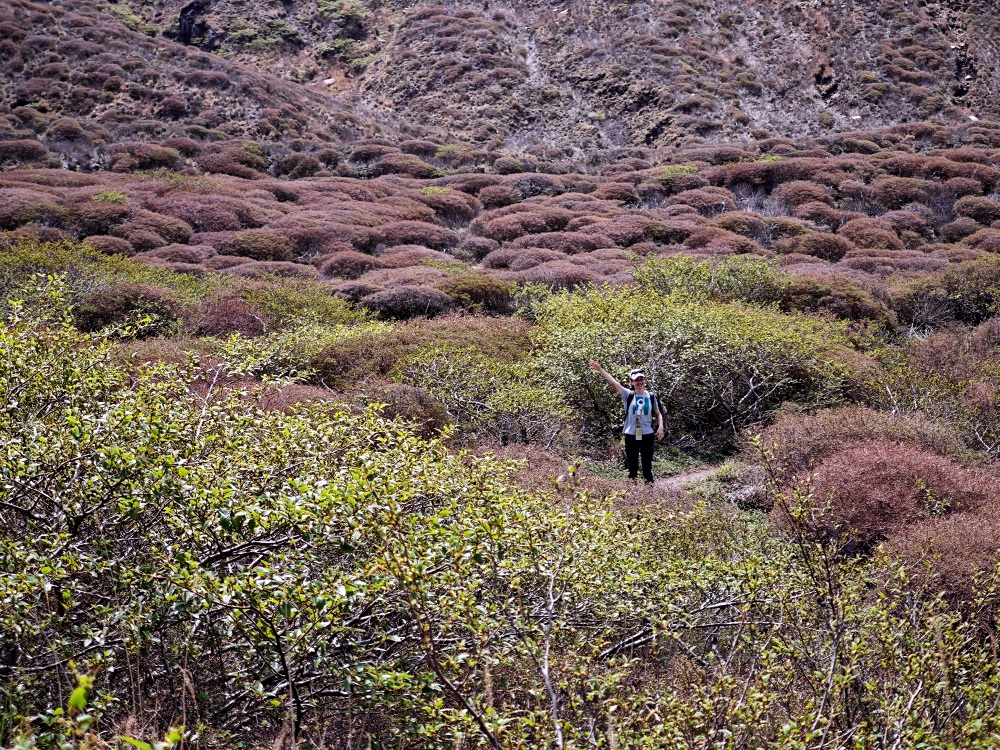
<point x="640" y="409"/>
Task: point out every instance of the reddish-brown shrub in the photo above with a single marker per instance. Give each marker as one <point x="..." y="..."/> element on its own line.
<point x="370" y="152"/>
<point x="871" y="233"/>
<point x="404" y="164"/>
<point x="948" y="553"/>
<point x="405" y="207"/>
<point x="136" y="156"/>
<point x="172" y="108"/>
<point x="409" y="275"/>
<point x="109" y="245"/>
<point x="475" y="248"/>
<point x="523" y="259"/>
<point x="414" y="233"/>
<point x="495" y="196"/>
<point x="297" y="166"/>
<point x="896" y="192"/>
<point x="21" y="151"/>
<point x="19" y="206"/>
<point x="617" y="191"/>
<point x="829" y="247"/>
<point x="982" y="210"/>
<point x="407" y="302"/>
<point x="259" y="244"/>
<point x="355" y="291"/>
<point x="348" y="264"/>
<point x="419" y="147"/>
<point x="167" y="227"/>
<point x="708" y="201"/>
<point x="962" y="186"/>
<point x="512" y="226"/>
<point x="819" y="213"/>
<point x="628" y="230"/>
<point x="225" y="316"/>
<point x="401" y="256"/>
<point x="798" y="442"/>
<point x="66" y="128"/>
<point x="716" y="241"/>
<point x="986" y="240"/>
<point x="570" y="243"/>
<point x="559" y="274"/>
<point x="141" y="239"/>
<point x="508" y="165"/>
<point x="960" y="228"/>
<point x="228" y="162"/>
<point x="884" y="263"/>
<point x="876" y="490"/>
<point x="217" y="214"/>
<point x="123" y="303"/>
<point x="453" y="207"/>
<point x="183" y="253"/>
<point x="912" y="221"/>
<point x="744" y="223"/>
<point x="222" y="262"/>
<point x="186" y="146"/>
<point x="798" y="192"/>
<point x="93" y="217"/>
<point x="206" y="79"/>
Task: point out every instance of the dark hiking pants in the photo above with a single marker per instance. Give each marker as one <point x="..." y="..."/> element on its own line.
<point x="636" y="448"/>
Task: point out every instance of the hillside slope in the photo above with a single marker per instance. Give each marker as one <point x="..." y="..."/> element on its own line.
<point x="583" y="74"/>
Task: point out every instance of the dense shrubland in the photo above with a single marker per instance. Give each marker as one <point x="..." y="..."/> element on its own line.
<point x="264" y="350"/>
<point x="174" y="555"/>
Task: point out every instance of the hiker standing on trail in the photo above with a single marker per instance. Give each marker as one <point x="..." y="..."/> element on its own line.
<point x="640" y="406"/>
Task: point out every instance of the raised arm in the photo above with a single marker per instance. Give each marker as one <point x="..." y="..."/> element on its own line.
<point x="614" y="383"/>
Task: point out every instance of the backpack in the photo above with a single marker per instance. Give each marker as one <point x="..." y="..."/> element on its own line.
<point x="654" y="404"/>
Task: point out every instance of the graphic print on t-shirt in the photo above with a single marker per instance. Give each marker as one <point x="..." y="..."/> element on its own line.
<point x="638" y="409"/>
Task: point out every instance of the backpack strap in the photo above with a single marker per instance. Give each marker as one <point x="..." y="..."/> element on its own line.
<point x="628" y="403"/>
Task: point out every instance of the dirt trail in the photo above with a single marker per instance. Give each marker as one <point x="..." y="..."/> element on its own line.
<point x="677" y="481"/>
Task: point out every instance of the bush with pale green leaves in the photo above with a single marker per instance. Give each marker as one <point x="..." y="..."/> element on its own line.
<point x="717" y="368"/>
<point x="508" y="401"/>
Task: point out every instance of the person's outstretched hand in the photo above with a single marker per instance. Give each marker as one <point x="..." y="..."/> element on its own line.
<point x="594" y="366"/>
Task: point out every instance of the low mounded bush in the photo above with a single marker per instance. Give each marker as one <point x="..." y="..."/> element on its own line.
<point x="982" y="210"/>
<point x="479" y="292"/>
<point x="126" y="303"/>
<point x="22" y="151"/>
<point x="348" y="264"/>
<point x="259" y="244"/>
<point x="408" y="302"/>
<point x="829" y="247"/>
<point x="799" y="192"/>
<point x="877" y="490"/>
<point x="871" y="234"/>
<point x="570" y="243"/>
<point x="109" y="245"/>
<point x="414" y="233"/>
<point x="222" y="317"/>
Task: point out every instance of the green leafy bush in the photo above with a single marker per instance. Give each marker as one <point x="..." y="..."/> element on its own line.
<point x="479" y="292"/>
<point x="751" y="280"/>
<point x="508" y="401"/>
<point x="717" y="368"/>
